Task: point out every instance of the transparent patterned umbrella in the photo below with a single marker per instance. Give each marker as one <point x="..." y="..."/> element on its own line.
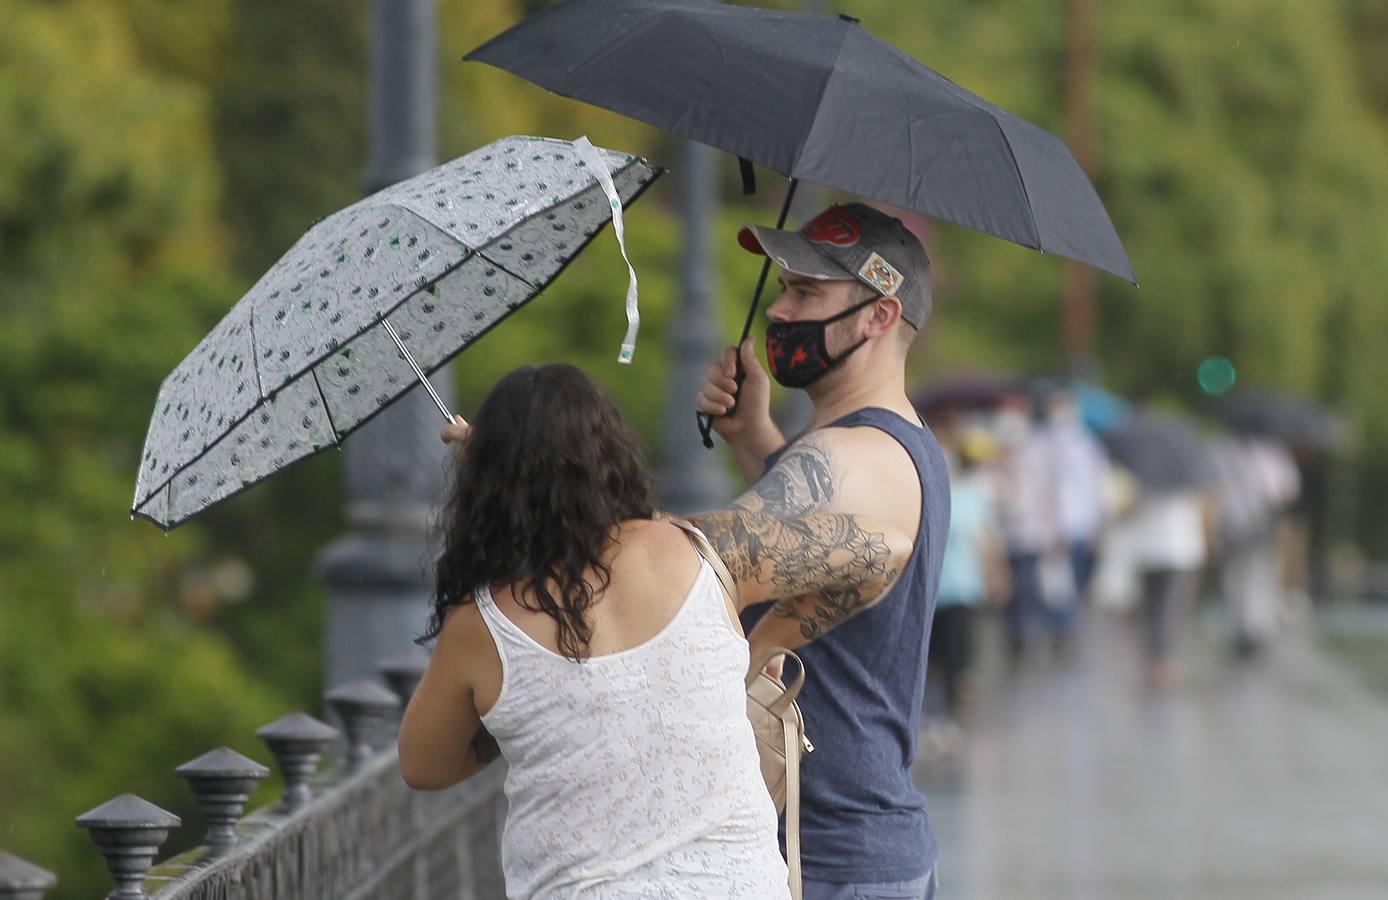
<point x="368" y="301"/>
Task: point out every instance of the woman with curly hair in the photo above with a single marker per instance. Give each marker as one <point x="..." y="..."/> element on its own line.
<point x="583" y="631"/>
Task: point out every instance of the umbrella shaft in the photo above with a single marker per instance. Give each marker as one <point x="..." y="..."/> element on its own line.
<point x="766" y="266"/>
<point x="417" y="370"/>
<point x="706" y="421"/>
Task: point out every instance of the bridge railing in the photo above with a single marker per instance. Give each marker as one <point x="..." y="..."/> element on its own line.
<point x="350" y="832"/>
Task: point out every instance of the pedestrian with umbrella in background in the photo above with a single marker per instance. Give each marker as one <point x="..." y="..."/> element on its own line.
<point x="1168" y="528"/>
<point x="1255" y="481"/>
<point x="1263" y="542"/>
<point x="820" y="98"/>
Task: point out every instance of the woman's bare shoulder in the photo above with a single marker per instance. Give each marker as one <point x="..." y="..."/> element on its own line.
<point x="654" y="544"/>
<point x="463" y="628"/>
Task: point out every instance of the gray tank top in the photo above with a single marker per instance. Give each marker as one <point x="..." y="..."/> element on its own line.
<point x="862" y="818"/>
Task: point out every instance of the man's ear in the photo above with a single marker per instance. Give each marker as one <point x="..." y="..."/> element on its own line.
<point x="886" y="312"/>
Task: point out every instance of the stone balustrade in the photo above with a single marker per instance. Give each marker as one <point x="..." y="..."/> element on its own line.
<point x="350" y="832"/>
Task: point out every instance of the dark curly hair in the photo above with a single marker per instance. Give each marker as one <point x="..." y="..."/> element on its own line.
<point x="548" y="472"/>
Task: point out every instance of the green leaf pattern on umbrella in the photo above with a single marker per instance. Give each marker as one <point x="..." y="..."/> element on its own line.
<point x="302" y="359"/>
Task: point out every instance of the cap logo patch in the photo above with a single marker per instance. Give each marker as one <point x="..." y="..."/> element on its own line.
<point x="833" y="226"/>
<point x="881" y="275"/>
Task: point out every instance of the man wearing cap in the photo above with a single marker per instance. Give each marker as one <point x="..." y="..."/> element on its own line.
<point x="855" y="291"/>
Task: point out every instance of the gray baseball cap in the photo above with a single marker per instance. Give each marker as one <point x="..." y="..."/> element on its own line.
<point x="857" y="243"/>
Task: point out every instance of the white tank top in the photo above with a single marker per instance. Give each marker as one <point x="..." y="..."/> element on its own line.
<point x="634" y="774"/>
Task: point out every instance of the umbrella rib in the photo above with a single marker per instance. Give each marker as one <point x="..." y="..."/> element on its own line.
<point x="1017" y="167"/>
<point x="520" y="278"/>
<point x="260" y="393"/>
<point x="260" y="385"/>
<point x="255" y="358"/>
<point x="819" y="104"/>
<point x="326" y="410"/>
<point x="635" y="161"/>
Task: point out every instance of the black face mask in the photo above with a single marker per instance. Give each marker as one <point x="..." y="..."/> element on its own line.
<point x="797" y="352"/>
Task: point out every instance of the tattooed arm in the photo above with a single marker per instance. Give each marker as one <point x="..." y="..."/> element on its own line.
<point x="802" y="481"/>
<point x="818" y="534"/>
<point x="821" y="569"/>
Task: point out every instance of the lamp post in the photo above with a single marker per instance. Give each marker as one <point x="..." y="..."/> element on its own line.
<point x="1080" y="282"/>
<point x="378" y="575"/>
<point x="692" y="478"/>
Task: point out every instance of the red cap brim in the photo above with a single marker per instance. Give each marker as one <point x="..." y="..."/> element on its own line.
<point x="747" y="239"/>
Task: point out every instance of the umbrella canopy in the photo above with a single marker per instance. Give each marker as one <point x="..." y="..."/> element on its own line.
<point x="306" y="356"/>
<point x="788" y="89"/>
<point x="1295" y="421"/>
<point x="1162" y="451"/>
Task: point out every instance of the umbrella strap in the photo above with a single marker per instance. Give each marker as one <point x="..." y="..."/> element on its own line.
<point x="749" y="176"/>
<point x="599" y="170"/>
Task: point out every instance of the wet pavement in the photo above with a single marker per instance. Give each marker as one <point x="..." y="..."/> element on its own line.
<point x="1075" y="781"/>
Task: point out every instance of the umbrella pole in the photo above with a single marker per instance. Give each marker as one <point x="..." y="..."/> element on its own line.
<point x="705" y="421"/>
<point x="417" y="370"/>
<point x="761" y="282"/>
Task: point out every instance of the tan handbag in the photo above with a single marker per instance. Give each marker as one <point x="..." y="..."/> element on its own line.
<point x="775" y="717"/>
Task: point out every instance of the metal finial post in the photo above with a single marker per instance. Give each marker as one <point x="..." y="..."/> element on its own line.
<point x="224" y="781"/>
<point x="366" y="708"/>
<point x="129" y="832"/>
<point x="22" y="880"/>
<point x="297" y="741"/>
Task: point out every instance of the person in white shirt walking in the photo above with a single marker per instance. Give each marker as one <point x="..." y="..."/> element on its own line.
<point x="1081" y="471"/>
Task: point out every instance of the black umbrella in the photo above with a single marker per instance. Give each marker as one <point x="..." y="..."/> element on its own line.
<point x="817" y="98"/>
<point x="822" y="99"/>
<point x="1294" y="421"/>
<point x="1162" y="451"/>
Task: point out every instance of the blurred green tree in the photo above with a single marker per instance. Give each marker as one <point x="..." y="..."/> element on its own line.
<point x="112" y="265"/>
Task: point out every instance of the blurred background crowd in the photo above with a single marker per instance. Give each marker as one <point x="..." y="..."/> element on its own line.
<point x="1070" y="502"/>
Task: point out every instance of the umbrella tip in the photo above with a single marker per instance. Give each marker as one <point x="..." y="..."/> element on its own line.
<point x="847" y="18"/>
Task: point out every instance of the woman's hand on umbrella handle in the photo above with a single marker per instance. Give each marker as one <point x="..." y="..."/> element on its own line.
<point x="456" y="433"/>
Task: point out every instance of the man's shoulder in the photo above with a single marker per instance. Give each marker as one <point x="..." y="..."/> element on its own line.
<point x="883" y="437"/>
<point x="844" y="450"/>
<point x="875" y="474"/>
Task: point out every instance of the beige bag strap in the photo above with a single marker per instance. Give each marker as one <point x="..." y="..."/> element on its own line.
<point x="701" y="544"/>
<point x="792" y="807"/>
<point x="792" y="689"/>
<point x="782" y="705"/>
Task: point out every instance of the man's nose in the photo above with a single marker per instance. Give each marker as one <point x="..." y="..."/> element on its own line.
<point x="779" y="310"/>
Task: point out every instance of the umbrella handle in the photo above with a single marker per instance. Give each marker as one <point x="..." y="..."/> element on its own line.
<point x="705" y="420"/>
<point x="417" y="370"/>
